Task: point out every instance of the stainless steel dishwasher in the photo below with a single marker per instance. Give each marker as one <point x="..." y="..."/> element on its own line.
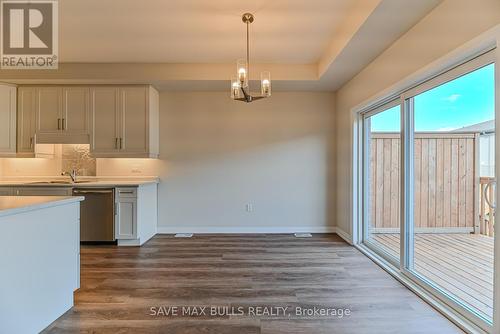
<point x="97" y="215"/>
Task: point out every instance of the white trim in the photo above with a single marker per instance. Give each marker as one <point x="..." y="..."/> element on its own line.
<point x="129" y="242"/>
<point x="344" y="235"/>
<point x="382" y="108"/>
<point x="496" y="282"/>
<point x="429" y="298"/>
<point x="356" y="174"/>
<point x="243" y="229"/>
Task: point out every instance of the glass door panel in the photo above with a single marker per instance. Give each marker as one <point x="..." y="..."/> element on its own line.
<point x="382" y="133"/>
<point x="453" y="188"/>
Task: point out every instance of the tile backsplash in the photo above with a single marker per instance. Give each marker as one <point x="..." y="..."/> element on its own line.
<point x="78" y="157"/>
<point x="63" y="158"/>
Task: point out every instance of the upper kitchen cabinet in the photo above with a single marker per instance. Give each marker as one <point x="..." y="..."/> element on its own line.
<point x="75" y="112"/>
<point x="104" y="109"/>
<point x="124" y="122"/>
<point x="7" y="120"/>
<point x="48" y="110"/>
<point x="26" y="121"/>
<point x="62" y="114"/>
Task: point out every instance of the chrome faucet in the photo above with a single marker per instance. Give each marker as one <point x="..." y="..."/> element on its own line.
<point x="71" y="174"/>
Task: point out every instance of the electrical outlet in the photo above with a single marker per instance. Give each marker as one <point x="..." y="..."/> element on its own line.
<point x="249" y="207"/>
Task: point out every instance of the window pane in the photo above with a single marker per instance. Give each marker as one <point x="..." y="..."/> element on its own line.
<point x="382" y="147"/>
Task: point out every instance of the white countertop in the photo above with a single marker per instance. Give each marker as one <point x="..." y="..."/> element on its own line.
<point x="10" y="205"/>
<point x="87" y="182"/>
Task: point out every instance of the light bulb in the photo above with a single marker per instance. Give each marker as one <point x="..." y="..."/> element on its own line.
<point x="235" y="88"/>
<point x="266" y="85"/>
<point x="242" y="74"/>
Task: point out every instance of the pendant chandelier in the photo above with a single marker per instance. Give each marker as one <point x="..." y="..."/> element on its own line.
<point x="240" y="88"/>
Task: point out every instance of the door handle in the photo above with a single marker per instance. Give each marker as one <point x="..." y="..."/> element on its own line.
<point x="58" y="124"/>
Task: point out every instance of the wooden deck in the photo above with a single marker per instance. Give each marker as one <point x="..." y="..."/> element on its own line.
<point x="461" y="264"/>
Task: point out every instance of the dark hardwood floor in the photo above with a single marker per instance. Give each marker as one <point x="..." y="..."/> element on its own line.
<point x="120" y="286"/>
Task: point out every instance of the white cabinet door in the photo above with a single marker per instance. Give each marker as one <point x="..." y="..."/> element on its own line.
<point x="49" y="110"/>
<point x="26" y="120"/>
<point x="126" y="218"/>
<point x="124" y="122"/>
<point x="134" y="120"/>
<point x="7" y="120"/>
<point x="104" y="120"/>
<point x="75" y="110"/>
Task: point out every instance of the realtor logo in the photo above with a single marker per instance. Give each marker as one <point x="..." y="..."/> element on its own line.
<point x="29" y="34"/>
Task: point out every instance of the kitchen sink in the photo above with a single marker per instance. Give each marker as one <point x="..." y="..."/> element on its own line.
<point x="59" y="182"/>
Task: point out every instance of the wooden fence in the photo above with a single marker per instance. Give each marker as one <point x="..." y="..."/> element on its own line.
<point x="487" y="205"/>
<point x="446" y="184"/>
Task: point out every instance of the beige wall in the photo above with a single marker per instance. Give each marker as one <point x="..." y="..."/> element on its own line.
<point x="218" y="155"/>
<point x="450" y="25"/>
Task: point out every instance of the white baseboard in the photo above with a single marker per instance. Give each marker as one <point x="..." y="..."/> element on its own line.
<point x="242" y="229"/>
<point x="344" y="235"/>
<point x="129" y="242"/>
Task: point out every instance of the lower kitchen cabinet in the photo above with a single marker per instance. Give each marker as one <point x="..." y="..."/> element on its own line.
<point x="125" y="215"/>
<point x="136" y="215"/>
<point x="136" y="209"/>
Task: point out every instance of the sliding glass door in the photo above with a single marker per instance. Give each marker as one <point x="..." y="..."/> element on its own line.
<point x="452" y="235"/>
<point x="429" y="186"/>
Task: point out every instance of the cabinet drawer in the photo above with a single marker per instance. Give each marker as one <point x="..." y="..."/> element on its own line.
<point x="42" y="191"/>
<point x="126" y="192"/>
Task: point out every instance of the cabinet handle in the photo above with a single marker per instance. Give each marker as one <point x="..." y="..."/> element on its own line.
<point x="58" y="124"/>
<point x="31" y="142"/>
<point x="64" y="123"/>
<point x="121" y="143"/>
<point x="116" y="143"/>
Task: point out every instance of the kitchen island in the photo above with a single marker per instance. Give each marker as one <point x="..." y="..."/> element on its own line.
<point x="39" y="260"/>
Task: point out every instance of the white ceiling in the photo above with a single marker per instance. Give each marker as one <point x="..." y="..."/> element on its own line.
<point x="193" y="44"/>
<point x="197" y="31"/>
